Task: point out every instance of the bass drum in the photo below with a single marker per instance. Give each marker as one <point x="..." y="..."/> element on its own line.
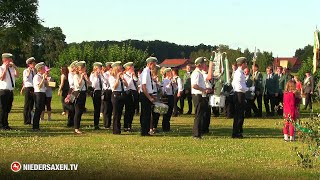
<point x="217" y="101"/>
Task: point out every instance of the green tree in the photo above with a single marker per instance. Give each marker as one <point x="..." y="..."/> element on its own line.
<point x="18" y="22"/>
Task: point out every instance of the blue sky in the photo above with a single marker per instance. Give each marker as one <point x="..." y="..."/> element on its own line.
<point x="280" y="26"/>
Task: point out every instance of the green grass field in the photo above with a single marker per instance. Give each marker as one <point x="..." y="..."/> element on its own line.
<point x="262" y="154"/>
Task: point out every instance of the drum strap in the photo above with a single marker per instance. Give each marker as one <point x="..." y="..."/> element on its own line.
<point x="151" y="80"/>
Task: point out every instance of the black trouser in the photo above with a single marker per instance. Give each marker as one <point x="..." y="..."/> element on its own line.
<point x="64" y="105"/>
<point x="6" y="99"/>
<point x="229" y="106"/>
<point x="239" y="104"/>
<point x="80" y="104"/>
<point x="207" y="115"/>
<point x="176" y="109"/>
<point x="136" y="101"/>
<point x="28" y="104"/>
<point x="250" y="105"/>
<point x="259" y="102"/>
<point x="199" y="105"/>
<point x="167" y="116"/>
<point x="96" y="99"/>
<point x="63" y="96"/>
<point x="40" y="101"/>
<point x="71" y="112"/>
<point x="272" y="99"/>
<point x="118" y="100"/>
<point x="216" y="111"/>
<point x="108" y="108"/>
<point x="154" y="120"/>
<point x="145" y="116"/>
<point x="130" y="103"/>
<point x="279" y="100"/>
<point x="308" y="101"/>
<point x="189" y="98"/>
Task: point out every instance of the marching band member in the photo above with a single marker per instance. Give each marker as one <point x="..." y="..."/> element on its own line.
<point x="168" y="89"/>
<point x="198" y="92"/>
<point x="28" y="75"/>
<point x="240" y="88"/>
<point x="118" y="85"/>
<point x="97" y="81"/>
<point x="8" y="73"/>
<point x="249" y="96"/>
<point x="207" y="115"/>
<point x="107" y="91"/>
<point x="81" y="82"/>
<point x="71" y="107"/>
<point x="156" y="93"/>
<point x="178" y="93"/>
<point x="146" y="97"/>
<point x="132" y="95"/>
<point x="39" y="84"/>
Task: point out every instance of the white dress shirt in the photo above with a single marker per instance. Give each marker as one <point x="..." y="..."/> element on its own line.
<point x="95" y="81"/>
<point x="131" y="80"/>
<point x="168" y="86"/>
<point x="239" y="81"/>
<point x="113" y="80"/>
<point x="146" y="79"/>
<point x="6" y="83"/>
<point x="77" y="86"/>
<point x="179" y="83"/>
<point x="106" y="84"/>
<point x="197" y="79"/>
<point x="208" y="83"/>
<point x="36" y="81"/>
<point x="28" y="79"/>
<point x="70" y="80"/>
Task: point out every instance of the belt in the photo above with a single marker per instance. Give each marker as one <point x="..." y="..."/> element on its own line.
<point x="6" y="90"/>
<point x="119" y="93"/>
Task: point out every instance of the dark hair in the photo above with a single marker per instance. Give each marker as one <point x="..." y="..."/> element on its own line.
<point x="175" y="70"/>
<point x="280" y="67"/>
<point x="270" y="67"/>
<point x="65" y="71"/>
<point x="256" y="65"/>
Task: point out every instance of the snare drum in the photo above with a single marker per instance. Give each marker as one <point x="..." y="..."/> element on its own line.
<point x="160" y="108"/>
<point x="217" y="101"/>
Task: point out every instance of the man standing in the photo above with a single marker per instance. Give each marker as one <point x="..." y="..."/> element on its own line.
<point x="258" y="83"/>
<point x="107" y="91"/>
<point x="187" y="90"/>
<point x="240" y="88"/>
<point x="282" y="79"/>
<point x="28" y="75"/>
<point x="199" y="92"/>
<point x="249" y="95"/>
<point x="8" y="73"/>
<point x="271" y="90"/>
<point x="308" y="86"/>
<point x="146" y="95"/>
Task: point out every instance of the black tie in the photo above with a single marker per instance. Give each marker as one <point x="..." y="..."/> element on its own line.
<point x="172" y="88"/>
<point x="135" y="83"/>
<point x="151" y="81"/>
<point x="122" y="89"/>
<point x="11" y="78"/>
<point x="100" y="82"/>
<point x="32" y="74"/>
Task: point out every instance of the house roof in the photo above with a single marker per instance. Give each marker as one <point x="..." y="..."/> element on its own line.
<point x="174" y="62"/>
<point x="294" y="62"/>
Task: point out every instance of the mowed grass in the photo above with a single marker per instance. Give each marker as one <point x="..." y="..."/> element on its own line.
<point x="262" y="154"/>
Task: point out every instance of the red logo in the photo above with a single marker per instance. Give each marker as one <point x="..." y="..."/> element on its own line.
<point x="15" y="166"/>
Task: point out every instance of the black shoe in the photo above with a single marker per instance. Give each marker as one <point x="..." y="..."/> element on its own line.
<point x="189" y="112"/>
<point x="36" y="130"/>
<point x="145" y="134"/>
<point x="96" y="128"/>
<point x="197" y="137"/>
<point x="7" y="128"/>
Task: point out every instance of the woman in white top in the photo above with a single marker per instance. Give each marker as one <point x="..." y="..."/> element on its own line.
<point x="118" y="85"/>
<point x="81" y="82"/>
<point x="39" y="84"/>
<point x="168" y="89"/>
<point x="97" y="81"/>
